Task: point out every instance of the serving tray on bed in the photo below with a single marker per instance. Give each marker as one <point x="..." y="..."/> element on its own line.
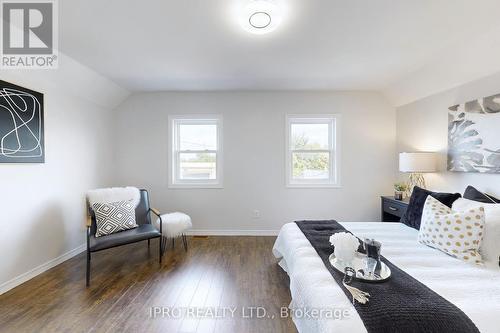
<point x="361" y="263"/>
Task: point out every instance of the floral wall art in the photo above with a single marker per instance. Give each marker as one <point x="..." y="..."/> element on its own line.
<point x="474" y="136"/>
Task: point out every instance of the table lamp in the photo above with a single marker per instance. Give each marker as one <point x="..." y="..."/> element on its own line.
<point x="416" y="164"/>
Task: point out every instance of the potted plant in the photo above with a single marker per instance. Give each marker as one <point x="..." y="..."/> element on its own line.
<point x="399" y="190"/>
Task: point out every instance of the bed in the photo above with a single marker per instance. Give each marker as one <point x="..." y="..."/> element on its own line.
<point x="473" y="289"/>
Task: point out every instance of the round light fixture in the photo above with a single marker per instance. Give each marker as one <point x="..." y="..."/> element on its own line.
<point x="260" y="16"/>
<point x="260" y="20"/>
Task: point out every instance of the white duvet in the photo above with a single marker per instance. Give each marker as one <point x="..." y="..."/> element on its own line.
<point x="475" y="290"/>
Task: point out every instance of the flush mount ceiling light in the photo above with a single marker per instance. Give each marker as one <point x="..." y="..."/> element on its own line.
<point x="261" y="16"/>
<point x="260" y="20"/>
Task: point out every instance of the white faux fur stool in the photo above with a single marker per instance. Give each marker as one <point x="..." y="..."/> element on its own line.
<point x="175" y="225"/>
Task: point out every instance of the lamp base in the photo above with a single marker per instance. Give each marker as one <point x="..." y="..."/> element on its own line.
<point x="415" y="179"/>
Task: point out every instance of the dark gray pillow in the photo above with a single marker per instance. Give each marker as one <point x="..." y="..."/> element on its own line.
<point x="413" y="214"/>
<point x="113" y="217"/>
<point x="472" y="193"/>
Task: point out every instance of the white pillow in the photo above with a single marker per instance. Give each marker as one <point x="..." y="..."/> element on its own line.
<point x="457" y="233"/>
<point x="490" y="246"/>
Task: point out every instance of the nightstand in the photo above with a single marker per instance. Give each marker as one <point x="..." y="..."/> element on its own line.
<point x="392" y="209"/>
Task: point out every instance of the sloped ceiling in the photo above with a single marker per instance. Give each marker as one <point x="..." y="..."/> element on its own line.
<point x="405" y="49"/>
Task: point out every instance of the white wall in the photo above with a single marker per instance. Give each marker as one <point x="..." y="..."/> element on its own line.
<point x="42" y="213"/>
<point x="254" y="157"/>
<point x="423" y="126"/>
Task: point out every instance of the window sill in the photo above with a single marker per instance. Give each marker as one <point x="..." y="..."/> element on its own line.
<point x="313" y="186"/>
<point x="195" y="186"/>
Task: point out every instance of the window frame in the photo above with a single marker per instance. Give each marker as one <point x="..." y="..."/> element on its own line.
<point x="334" y="123"/>
<point x="174" y="152"/>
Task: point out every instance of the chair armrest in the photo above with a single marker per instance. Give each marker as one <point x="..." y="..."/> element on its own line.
<point x="157" y="213"/>
<point x="89" y="226"/>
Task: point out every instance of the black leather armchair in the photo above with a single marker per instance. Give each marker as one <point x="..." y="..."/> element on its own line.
<point x="145" y="231"/>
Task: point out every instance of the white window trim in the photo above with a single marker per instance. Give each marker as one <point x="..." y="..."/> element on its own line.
<point x="334" y="179"/>
<point x="173" y="181"/>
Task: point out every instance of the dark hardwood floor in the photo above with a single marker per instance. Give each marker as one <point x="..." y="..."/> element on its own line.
<point x="129" y="288"/>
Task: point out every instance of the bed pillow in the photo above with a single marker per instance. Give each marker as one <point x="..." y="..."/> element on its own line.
<point x="490" y="246"/>
<point x="457" y="233"/>
<point x="413" y="213"/>
<point x="114" y="216"/>
<point x="472" y="193"/>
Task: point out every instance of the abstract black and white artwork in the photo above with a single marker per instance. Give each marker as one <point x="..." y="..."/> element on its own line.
<point x="474" y="136"/>
<point x="21" y="125"/>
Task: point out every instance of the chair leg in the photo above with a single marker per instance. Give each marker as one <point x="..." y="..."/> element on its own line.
<point x="149" y="243"/>
<point x="173" y="243"/>
<point x="88" y="269"/>
<point x="184" y="240"/>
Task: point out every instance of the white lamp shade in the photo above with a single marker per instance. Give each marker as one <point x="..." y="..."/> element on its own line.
<point x="417" y="162"/>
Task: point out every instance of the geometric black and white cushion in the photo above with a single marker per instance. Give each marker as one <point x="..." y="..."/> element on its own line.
<point x="113" y="217"/>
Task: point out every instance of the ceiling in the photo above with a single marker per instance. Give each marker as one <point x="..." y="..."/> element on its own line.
<point x="152" y="45"/>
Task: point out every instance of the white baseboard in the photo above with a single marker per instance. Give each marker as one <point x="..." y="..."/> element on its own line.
<point x="216" y="232"/>
<point x="6" y="286"/>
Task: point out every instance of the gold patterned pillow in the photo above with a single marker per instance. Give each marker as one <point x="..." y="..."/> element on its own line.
<point x="458" y="234"/>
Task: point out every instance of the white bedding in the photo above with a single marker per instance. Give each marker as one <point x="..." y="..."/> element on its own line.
<point x="475" y="290"/>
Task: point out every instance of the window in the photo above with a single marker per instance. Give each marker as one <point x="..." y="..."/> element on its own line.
<point x="196" y="151"/>
<point x="312" y="156"/>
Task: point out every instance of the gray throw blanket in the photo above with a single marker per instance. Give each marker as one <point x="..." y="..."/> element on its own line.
<point x="401" y="304"/>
